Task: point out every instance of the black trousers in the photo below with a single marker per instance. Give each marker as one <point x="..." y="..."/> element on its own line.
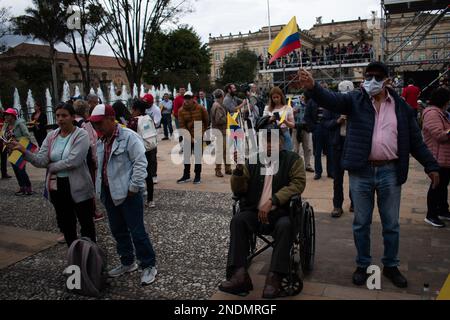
<point x="151" y="158"/>
<point x="3" y="160"/>
<point x="187" y="167"/>
<point x="338" y="176"/>
<point x="244" y="224"/>
<point x="67" y="213"/>
<point x="153" y="162"/>
<point x="437" y="199"/>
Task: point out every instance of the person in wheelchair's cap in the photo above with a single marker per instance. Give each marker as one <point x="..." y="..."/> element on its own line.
<point x="264" y="203"/>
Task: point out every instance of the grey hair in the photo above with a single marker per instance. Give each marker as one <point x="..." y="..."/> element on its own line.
<point x="81" y="107"/>
<point x="92" y="96"/>
<point x="218" y="93"/>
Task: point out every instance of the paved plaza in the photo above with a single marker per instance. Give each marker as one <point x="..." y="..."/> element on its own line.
<point x="190" y="229"/>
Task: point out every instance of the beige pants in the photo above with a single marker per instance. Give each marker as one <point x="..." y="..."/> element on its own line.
<point x="306" y="144"/>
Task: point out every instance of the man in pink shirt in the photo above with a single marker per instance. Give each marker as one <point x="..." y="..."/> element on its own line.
<point x="382" y="133"/>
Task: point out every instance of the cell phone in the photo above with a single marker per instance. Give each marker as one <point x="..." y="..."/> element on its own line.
<point x="277" y="116"/>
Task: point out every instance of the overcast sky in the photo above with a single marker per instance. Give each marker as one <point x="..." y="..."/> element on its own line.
<point x="225" y="16"/>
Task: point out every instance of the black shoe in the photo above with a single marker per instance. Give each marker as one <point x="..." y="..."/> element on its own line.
<point x="184" y="179"/>
<point x="309" y="170"/>
<point x="317" y="177"/>
<point x="444" y="216"/>
<point x="435" y="222"/>
<point x="360" y="276"/>
<point x="6" y="177"/>
<point x="20" y="193"/>
<point x="393" y="274"/>
<point x="165" y="138"/>
<point x="197" y="180"/>
<point x="337" y="213"/>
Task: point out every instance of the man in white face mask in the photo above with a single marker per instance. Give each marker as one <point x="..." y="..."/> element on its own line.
<point x="382" y="132"/>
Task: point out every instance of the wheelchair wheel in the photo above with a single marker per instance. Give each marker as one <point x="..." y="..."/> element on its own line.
<point x="292" y="284"/>
<point x="307" y="239"/>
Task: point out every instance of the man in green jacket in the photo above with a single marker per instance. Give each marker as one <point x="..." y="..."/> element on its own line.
<point x="265" y="197"/>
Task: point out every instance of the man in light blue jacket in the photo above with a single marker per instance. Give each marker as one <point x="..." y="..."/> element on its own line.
<point x="122" y="169"/>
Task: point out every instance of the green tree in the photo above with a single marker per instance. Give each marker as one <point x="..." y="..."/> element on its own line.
<point x="239" y="67"/>
<point x="177" y="58"/>
<point x="83" y="40"/>
<point x="4" y="26"/>
<point x="132" y="23"/>
<point x="45" y="21"/>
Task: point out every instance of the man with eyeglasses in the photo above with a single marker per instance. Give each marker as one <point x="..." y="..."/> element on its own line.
<point x="382" y="133"/>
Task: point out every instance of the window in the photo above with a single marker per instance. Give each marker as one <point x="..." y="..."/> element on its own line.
<point x="435" y="55"/>
<point x="422" y="56"/>
<point x="397" y="58"/>
<point x="217" y="55"/>
<point x="435" y="39"/>
<point x="226" y="54"/>
<point x="411" y="57"/>
<point x="217" y="73"/>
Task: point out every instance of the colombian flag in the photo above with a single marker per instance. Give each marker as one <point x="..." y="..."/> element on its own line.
<point x="17" y="158"/>
<point x="286" y="41"/>
<point x="233" y="129"/>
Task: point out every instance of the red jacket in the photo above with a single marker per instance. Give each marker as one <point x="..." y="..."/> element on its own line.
<point x="411" y="94"/>
<point x="177" y="104"/>
<point x="435" y="132"/>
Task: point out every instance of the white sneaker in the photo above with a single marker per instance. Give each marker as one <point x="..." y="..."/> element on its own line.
<point x="151" y="204"/>
<point x="120" y="270"/>
<point x="148" y="276"/>
<point x="155" y="180"/>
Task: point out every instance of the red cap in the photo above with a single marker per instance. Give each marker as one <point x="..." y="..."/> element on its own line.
<point x="148" y="98"/>
<point x="100" y="112"/>
<point x="11" y="111"/>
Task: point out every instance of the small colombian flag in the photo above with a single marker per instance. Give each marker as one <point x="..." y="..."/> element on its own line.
<point x="17" y="158"/>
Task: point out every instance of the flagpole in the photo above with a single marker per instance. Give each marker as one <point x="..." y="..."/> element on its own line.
<point x="270" y="27"/>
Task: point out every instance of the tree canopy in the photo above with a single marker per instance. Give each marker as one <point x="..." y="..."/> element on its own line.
<point x="176" y="58"/>
<point x="239" y="67"/>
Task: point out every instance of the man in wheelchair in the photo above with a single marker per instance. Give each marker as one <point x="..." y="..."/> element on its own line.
<point x="264" y="205"/>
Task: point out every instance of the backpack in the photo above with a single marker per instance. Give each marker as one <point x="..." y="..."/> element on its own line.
<point x="147" y="130"/>
<point x="91" y="260"/>
<point x="89" y="158"/>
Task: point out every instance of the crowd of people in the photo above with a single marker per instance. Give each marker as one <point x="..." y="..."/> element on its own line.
<point x="325" y="55"/>
<point x="110" y="153"/>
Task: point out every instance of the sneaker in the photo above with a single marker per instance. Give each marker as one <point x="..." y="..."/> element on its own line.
<point x="120" y="270"/>
<point x="184" y="179"/>
<point x="151" y="204"/>
<point x="155" y="180"/>
<point x="148" y="276"/>
<point x="444" y="216"/>
<point x="317" y="177"/>
<point x="435" y="222"/>
<point x="197" y="180"/>
<point x="98" y="216"/>
<point x="20" y="193"/>
<point x="360" y="276"/>
<point x="61" y="240"/>
<point x="393" y="274"/>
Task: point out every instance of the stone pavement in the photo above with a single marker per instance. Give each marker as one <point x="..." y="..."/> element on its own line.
<point x="192" y="221"/>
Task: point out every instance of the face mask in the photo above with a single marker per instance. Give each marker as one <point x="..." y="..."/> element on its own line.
<point x="373" y="87"/>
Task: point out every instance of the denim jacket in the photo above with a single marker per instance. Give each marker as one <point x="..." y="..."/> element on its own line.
<point x="127" y="166"/>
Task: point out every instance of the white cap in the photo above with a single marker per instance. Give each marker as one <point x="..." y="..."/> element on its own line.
<point x="346" y="86"/>
<point x="189" y="93"/>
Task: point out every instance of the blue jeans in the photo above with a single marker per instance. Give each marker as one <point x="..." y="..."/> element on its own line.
<point x="363" y="186"/>
<point x="126" y="222"/>
<point x="167" y="124"/>
<point x="22" y="177"/>
<point x="287" y="140"/>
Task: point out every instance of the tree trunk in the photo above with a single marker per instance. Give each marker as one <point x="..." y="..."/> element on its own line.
<point x="54" y="75"/>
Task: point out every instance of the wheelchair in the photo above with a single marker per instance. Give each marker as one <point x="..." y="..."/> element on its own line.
<point x="303" y="247"/>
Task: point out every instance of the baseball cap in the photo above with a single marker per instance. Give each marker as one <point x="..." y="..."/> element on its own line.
<point x="188" y="94"/>
<point x="100" y="112"/>
<point x="148" y="98"/>
<point x="11" y="111"/>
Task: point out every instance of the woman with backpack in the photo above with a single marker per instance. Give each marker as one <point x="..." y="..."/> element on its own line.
<point x="68" y="183"/>
<point x="139" y="123"/>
